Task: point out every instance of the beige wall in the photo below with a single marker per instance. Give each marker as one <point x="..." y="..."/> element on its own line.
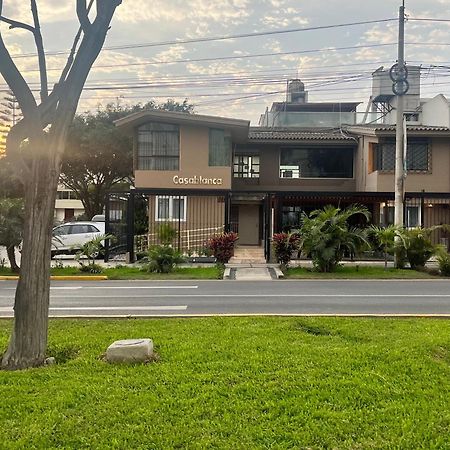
<point x="204" y="217"/>
<point x="194" y="150"/>
<point x="437" y="180"/>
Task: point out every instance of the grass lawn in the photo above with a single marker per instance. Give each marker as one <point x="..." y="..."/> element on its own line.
<point x="236" y="383"/>
<point x="366" y="272"/>
<point x="134" y="273"/>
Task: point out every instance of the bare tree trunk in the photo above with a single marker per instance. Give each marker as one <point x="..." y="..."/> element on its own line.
<point x="45" y="127"/>
<point x="11" y="252"/>
<point x="28" y="342"/>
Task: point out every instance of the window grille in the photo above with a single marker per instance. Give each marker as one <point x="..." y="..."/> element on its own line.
<point x="246" y="166"/>
<point x="158" y="147"/>
<point x="219" y="148"/>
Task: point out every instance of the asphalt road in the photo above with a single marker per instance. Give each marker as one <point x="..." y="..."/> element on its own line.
<point x="187" y="298"/>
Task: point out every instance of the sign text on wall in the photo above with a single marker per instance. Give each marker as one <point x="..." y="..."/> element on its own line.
<point x="197" y="179"/>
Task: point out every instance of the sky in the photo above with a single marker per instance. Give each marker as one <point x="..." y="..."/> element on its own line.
<point x="229" y="77"/>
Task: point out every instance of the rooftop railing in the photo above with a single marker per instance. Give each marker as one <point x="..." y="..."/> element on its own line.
<point x="284" y="119"/>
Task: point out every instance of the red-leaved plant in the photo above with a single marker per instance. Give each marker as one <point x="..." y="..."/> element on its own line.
<point x="222" y="246"/>
<point x="284" y="245"/>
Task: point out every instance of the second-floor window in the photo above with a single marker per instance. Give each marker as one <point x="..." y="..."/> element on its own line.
<point x="417" y="155"/>
<point x="246" y="166"/>
<point x="316" y="162"/>
<point x="219" y="148"/>
<point x="158" y="147"/>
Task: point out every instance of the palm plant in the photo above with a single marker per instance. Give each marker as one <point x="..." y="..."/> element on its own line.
<point x="327" y="236"/>
<point x="420" y="247"/>
<point x="389" y="238"/>
<point x="92" y="250"/>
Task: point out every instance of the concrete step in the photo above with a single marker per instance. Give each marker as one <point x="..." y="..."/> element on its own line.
<point x="246" y="255"/>
<point x="258" y="260"/>
<point x="252" y="272"/>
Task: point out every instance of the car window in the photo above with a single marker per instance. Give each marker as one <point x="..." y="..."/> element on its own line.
<point x="92" y="229"/>
<point x="61" y="231"/>
<point x="79" y="229"/>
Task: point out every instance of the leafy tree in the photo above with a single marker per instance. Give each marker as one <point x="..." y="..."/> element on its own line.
<point x="11" y="226"/>
<point x="44" y="128"/>
<point x="99" y="157"/>
<point x="10" y="184"/>
<point x="326" y="235"/>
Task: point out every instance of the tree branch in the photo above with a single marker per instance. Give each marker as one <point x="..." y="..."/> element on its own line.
<point x="16" y="24"/>
<point x="40" y="51"/>
<point x="72" y="51"/>
<point x="85" y="57"/>
<point x="82" y="13"/>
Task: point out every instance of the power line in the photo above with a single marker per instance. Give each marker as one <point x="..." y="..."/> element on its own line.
<point x="220" y="38"/>
<point x="427" y="19"/>
<point x="257" y="55"/>
<point x="232" y="57"/>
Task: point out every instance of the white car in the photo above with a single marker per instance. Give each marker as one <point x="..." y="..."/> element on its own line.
<point x="69" y="237"/>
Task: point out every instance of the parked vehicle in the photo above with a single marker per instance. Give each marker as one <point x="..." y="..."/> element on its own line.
<point x="69" y="237"/>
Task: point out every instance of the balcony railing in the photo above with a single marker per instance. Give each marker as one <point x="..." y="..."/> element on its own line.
<point x="289" y="119"/>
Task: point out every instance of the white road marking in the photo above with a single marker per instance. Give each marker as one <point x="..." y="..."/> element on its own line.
<point x="73" y="288"/>
<point x="111" y="308"/>
<point x="130" y="295"/>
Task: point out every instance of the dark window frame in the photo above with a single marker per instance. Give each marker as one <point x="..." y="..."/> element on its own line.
<point x="385" y="162"/>
<point x="293" y="171"/>
<point x="246" y="169"/>
<point x="225" y="152"/>
<point x="167" y="162"/>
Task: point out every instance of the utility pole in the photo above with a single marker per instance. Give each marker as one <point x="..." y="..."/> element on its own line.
<point x="399" y="75"/>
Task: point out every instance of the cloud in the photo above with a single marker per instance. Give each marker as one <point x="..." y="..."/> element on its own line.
<point x="49" y="10"/>
<point x="224" y="12"/>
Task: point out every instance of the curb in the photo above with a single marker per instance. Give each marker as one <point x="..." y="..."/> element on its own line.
<point x="62" y="278"/>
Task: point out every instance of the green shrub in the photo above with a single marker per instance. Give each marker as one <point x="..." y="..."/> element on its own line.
<point x="386" y="238"/>
<point x="163" y="259"/>
<point x="284" y="244"/>
<point x="327" y="236"/>
<point x="443" y="260"/>
<point x="91" y="268"/>
<point x="222" y="246"/>
<point x="419" y="248"/>
<point x="91" y="250"/>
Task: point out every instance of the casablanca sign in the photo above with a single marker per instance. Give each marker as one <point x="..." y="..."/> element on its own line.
<point x="197" y="179"/>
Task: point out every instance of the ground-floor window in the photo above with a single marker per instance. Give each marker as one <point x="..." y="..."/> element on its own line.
<point x="170" y="207"/>
<point x="412" y="217"/>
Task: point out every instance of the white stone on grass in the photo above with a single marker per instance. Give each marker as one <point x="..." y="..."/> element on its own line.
<point x="130" y="350"/>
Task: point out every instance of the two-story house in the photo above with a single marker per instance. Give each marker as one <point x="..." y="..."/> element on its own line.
<point x="203" y="174"/>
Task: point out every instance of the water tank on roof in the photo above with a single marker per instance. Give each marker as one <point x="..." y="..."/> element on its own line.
<point x="296" y="92"/>
<point x="382" y="84"/>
